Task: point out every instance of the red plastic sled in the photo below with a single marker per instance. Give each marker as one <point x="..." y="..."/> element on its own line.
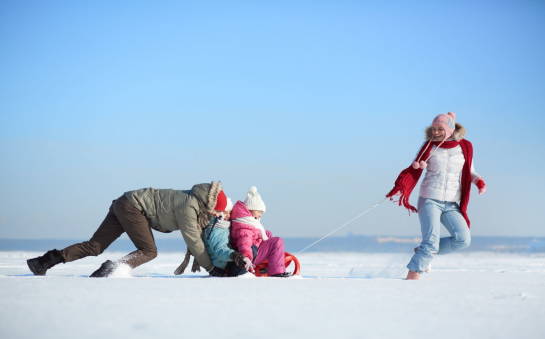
<point x="261" y="269"/>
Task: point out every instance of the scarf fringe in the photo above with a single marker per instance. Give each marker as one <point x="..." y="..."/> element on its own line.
<point x="183" y="265"/>
<point x="181" y="269"/>
<point x="404" y="185"/>
<point x="196" y="267"/>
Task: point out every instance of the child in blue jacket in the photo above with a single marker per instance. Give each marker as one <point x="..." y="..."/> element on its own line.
<point x="216" y="241"/>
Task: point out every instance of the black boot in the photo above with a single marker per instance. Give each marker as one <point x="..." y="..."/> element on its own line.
<point x="217" y="272"/>
<point x="282" y="275"/>
<point x="105" y="270"/>
<point x="40" y="265"/>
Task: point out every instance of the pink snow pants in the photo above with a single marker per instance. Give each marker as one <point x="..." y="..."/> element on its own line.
<point x="272" y="250"/>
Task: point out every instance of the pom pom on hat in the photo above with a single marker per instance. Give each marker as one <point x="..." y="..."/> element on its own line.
<point x="420" y="164"/>
<point x="221" y="202"/>
<point x="253" y="200"/>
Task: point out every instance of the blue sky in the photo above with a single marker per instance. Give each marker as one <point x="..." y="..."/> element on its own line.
<point x="318" y="103"/>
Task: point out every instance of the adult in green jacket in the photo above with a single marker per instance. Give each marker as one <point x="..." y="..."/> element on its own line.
<point x="137" y="213"/>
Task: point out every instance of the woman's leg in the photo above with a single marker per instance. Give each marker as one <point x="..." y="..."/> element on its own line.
<point x="109" y="230"/>
<point x="457" y="226"/>
<point x="429" y="214"/>
<point x="272" y="250"/>
<point x="139" y="231"/>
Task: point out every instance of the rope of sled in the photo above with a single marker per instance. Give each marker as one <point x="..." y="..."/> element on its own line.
<point x="372" y="207"/>
<point x="195" y="268"/>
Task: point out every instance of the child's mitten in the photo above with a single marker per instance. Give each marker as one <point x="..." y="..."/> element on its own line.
<point x="248" y="265"/>
<point x="242" y="261"/>
<point x="238" y="258"/>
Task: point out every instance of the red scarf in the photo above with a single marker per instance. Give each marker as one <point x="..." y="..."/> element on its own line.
<point x="407" y="179"/>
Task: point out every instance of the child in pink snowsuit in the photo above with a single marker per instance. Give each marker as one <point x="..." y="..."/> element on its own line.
<point x="248" y="234"/>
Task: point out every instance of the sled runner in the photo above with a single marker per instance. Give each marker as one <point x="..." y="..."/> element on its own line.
<point x="261" y="269"/>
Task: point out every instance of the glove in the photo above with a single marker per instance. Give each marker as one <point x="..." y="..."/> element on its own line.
<point x="238" y="258"/>
<point x="481" y="185"/>
<point x="242" y="261"/>
<point x="248" y="265"/>
<point x="217" y="272"/>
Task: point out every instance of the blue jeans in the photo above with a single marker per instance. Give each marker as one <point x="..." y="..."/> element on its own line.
<point x="432" y="213"/>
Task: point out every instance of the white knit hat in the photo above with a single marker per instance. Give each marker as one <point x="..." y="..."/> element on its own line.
<point x="229" y="206"/>
<point x="253" y="200"/>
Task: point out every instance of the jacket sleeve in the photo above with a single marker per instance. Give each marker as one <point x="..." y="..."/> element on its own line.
<point x="243" y="240"/>
<point x="192" y="233"/>
<point x="474" y="175"/>
<point x="218" y="244"/>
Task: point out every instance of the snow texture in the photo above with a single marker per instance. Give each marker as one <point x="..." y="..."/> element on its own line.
<point x="340" y="295"/>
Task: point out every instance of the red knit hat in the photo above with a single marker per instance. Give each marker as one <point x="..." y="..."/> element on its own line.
<point x="221" y="202"/>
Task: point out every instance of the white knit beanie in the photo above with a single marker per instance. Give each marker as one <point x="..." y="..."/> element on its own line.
<point x="253" y="200"/>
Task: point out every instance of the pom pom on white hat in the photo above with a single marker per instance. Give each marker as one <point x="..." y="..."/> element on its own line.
<point x="253" y="200"/>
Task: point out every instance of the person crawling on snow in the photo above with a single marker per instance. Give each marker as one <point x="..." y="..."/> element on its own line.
<point x="137" y="213"/>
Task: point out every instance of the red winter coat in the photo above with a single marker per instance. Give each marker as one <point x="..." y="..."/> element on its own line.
<point x="244" y="236"/>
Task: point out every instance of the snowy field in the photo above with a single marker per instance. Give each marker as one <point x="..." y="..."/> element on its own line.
<point x="340" y="295"/>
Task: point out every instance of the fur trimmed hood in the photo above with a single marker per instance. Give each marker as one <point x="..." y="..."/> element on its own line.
<point x="459" y="132"/>
<point x="207" y="194"/>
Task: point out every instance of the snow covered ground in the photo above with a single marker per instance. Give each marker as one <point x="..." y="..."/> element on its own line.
<point x="341" y="295"/>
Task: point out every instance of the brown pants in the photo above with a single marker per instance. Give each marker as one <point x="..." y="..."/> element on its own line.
<point x="122" y="217"/>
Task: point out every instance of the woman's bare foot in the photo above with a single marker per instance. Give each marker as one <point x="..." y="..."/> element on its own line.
<point x="413" y="276"/>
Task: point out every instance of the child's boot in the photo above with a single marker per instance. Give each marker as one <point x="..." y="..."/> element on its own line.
<point x="282" y="275"/>
<point x="40" y="265"/>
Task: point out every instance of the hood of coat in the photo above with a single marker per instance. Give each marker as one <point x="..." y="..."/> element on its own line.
<point x="459" y="132"/>
<point x="207" y="194"/>
<point x="240" y="211"/>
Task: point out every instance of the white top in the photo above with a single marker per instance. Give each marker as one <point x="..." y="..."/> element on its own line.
<point x="444" y="174"/>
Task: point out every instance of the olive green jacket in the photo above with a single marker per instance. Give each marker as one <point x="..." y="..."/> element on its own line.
<point x="188" y="211"/>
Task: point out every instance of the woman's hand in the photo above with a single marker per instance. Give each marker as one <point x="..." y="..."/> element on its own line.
<point x="481" y="185"/>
